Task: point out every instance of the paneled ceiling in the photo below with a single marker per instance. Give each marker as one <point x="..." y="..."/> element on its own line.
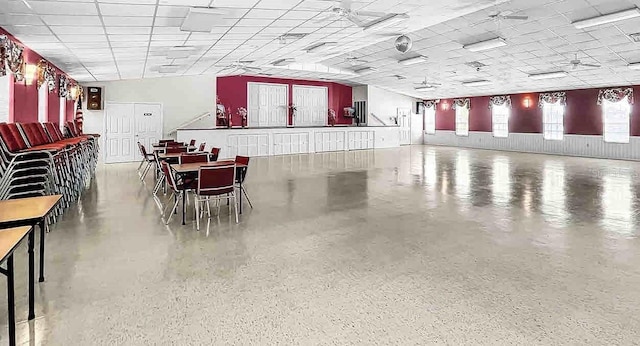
<point x="100" y="40"/>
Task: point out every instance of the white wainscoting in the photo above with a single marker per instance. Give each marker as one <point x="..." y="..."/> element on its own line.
<point x="572" y="145"/>
<point x="285" y="141"/>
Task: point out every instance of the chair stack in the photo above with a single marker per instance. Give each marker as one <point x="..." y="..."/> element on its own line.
<point x="37" y="159"/>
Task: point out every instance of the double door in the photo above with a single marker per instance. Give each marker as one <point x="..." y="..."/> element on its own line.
<point x="312" y="105"/>
<point x="126" y="124"/>
<point x="267" y="105"/>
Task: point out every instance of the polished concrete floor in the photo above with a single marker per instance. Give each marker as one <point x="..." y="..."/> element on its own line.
<point x="417" y="245"/>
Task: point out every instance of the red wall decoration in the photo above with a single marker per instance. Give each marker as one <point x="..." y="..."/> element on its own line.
<point x="582" y="115"/>
<point x="232" y="92"/>
<point x="23" y="99"/>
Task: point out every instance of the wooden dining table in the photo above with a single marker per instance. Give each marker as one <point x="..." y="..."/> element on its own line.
<point x="10" y="238"/>
<point x="30" y="212"/>
<point x="161" y="148"/>
<point x="190" y="168"/>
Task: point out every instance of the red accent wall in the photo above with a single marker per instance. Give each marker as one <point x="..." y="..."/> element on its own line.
<point x="232" y="92"/>
<point x="71" y="110"/>
<point x="583" y="116"/>
<point x="23" y="99"/>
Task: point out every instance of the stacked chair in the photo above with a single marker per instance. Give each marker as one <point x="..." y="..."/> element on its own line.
<point x="37" y="159"/>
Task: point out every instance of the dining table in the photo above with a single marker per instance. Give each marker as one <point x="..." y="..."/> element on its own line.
<point x="182" y="170"/>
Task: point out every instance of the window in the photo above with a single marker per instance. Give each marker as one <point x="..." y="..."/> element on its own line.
<point x="4" y="98"/>
<point x="616" y="121"/>
<point x="430" y="120"/>
<point x="462" y="121"/>
<point x="500" y="120"/>
<point x="43" y="99"/>
<point x="553" y="121"/>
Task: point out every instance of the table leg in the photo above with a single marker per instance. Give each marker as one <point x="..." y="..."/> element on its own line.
<point x="184" y="206"/>
<point x="32" y="274"/>
<point x="42" y="232"/>
<point x="11" y="302"/>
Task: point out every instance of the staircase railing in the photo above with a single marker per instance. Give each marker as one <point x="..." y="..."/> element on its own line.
<point x="192" y="121"/>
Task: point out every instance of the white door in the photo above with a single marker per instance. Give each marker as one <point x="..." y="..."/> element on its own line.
<point x="128" y="123"/>
<point x="312" y="105"/>
<point x="148" y="124"/>
<point x="43" y="100"/>
<point x="404" y="121"/>
<point x="267" y="104"/>
<point x="120" y="132"/>
<point x="417" y="130"/>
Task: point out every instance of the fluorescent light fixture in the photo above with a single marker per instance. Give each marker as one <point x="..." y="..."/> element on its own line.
<point x="180" y="52"/>
<point x="476" y="83"/>
<point x="412" y="61"/>
<point x="320" y="47"/>
<point x="365" y="70"/>
<point x="635" y="66"/>
<point x="200" y="19"/>
<point x="282" y="62"/>
<point x="486" y="45"/>
<point x="385" y="22"/>
<point x="425" y="87"/>
<point x="549" y="75"/>
<point x="607" y="18"/>
<point x="168" y="68"/>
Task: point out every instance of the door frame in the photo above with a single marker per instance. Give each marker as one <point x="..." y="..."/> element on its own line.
<point x="326" y="118"/>
<point x="286" y="121"/>
<point x="104" y="120"/>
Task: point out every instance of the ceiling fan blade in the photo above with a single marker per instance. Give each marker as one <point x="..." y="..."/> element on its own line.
<point x="370" y="14"/>
<point x="591" y="65"/>
<point x="250" y="68"/>
<point x="516" y="17"/>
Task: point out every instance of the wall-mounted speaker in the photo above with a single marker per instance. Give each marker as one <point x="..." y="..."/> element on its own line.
<point x="94" y="98"/>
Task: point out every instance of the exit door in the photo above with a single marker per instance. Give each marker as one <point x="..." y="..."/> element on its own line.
<point x="126" y="124"/>
<point x="404" y="121"/>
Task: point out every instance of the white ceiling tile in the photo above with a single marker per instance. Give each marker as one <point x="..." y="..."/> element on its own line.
<point x="63" y="8"/>
<point x="71" y="20"/>
<point x="130" y="10"/>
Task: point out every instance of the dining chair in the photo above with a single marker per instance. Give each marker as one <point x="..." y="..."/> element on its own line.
<point x="193" y="158"/>
<point x="176" y="150"/>
<point x="177" y="188"/>
<point x="146" y="157"/>
<point x="215" y="152"/>
<point x="203" y="146"/>
<point x="242" y="174"/>
<point x="192" y="143"/>
<point x="215" y="183"/>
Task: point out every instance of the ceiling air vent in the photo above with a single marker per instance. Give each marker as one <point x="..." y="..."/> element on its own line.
<point x="635" y="37"/>
<point x="475" y="64"/>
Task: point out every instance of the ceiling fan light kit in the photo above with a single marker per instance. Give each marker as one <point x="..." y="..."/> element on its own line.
<point x="607" y="18"/>
<point x="386" y="22"/>
<point x="548" y="75"/>
<point x="412" y="61"/>
<point x="486" y="45"/>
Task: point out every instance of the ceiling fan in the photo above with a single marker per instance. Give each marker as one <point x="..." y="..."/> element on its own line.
<point x="425" y="84"/>
<point x="501" y="15"/>
<point x="344" y="11"/>
<point x="243" y="66"/>
<point x="575" y="63"/>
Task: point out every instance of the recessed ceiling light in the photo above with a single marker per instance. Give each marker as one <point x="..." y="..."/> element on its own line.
<point x="365" y="70"/>
<point x="486" y="45"/>
<point x="607" y="18"/>
<point x="385" y="22"/>
<point x="320" y="47"/>
<point x="412" y="61"/>
<point x="282" y="62"/>
<point x="549" y="75"/>
<point x="476" y="83"/>
<point x="201" y="19"/>
<point x="168" y="68"/>
<point x="635" y="66"/>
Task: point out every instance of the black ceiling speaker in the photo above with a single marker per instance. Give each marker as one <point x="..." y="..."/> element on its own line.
<point x="403" y="44"/>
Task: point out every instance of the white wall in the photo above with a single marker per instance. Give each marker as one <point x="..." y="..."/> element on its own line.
<point x="384" y="104"/>
<point x="183" y="98"/>
<point x="359" y="93"/>
<point x="571" y="145"/>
